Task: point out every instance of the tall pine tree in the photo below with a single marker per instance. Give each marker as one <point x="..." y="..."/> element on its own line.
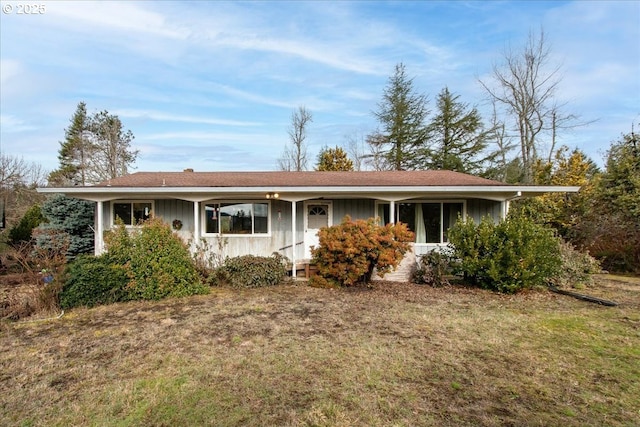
<point x="458" y="137"/>
<point x="75" y="151"/>
<point x="402" y="114"/>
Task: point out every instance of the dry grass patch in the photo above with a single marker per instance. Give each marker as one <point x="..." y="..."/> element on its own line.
<point x="397" y="354"/>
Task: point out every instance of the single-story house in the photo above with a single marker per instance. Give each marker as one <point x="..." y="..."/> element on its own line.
<point x="264" y="212"/>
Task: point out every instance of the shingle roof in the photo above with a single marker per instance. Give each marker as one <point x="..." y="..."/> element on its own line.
<point x="299" y="179"/>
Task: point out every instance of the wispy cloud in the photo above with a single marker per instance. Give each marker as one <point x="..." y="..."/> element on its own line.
<point x="12" y="124"/>
<point x="167" y="117"/>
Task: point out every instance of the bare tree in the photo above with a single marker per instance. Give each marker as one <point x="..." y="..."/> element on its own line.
<point x="526" y="85"/>
<point x="500" y="161"/>
<point x="356" y="148"/>
<point x="295" y="157"/>
<point x="18" y="182"/>
<point x="377" y="159"/>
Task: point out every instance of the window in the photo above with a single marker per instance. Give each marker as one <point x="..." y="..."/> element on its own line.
<point x="430" y="221"/>
<point x="132" y="213"/>
<point x="236" y="218"/>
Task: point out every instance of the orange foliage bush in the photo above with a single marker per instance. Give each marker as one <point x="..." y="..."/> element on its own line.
<point x="349" y="252"/>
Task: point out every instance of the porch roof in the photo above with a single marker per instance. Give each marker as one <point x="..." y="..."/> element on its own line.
<point x="299" y="185"/>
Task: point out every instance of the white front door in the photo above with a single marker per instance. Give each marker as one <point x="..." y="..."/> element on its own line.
<point x="316" y="216"/>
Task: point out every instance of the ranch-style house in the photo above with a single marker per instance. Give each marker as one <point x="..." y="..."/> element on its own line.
<point x="264" y="212"/>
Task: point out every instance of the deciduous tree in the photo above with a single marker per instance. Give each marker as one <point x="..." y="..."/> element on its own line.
<point x="18" y="182"/>
<point x="294" y="157"/>
<point x="525" y="85"/>
<point x="112" y="154"/>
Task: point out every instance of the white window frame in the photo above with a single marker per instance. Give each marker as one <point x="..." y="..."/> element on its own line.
<point x="441" y="201"/>
<point x="130" y="202"/>
<point x="203" y="218"/>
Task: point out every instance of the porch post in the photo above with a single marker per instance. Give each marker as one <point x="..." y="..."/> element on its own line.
<point x="196" y="224"/>
<point x="99" y="247"/>
<point x="392" y="212"/>
<point x="293" y="239"/>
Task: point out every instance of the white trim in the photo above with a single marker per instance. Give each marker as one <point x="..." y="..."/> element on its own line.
<point x="98" y="236"/>
<point x="186" y="193"/>
<point x="293" y="238"/>
<point x="196" y="224"/>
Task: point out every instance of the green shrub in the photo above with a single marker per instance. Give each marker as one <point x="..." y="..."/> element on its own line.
<point x="93" y="281"/>
<point x="432" y="269"/>
<point x="349" y="252"/>
<point x="577" y="267"/>
<point x="21" y="232"/>
<point x="157" y="262"/>
<point x="250" y="271"/>
<point x="509" y="256"/>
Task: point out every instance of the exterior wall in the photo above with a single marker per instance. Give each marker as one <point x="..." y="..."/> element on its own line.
<point x="279" y="239"/>
<point x="478" y="208"/>
<point x="170" y="209"/>
<point x="355" y="208"/>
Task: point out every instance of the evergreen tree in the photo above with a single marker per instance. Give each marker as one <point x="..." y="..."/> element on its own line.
<point x="458" y="136"/>
<point x="68" y="217"/>
<point x="333" y="159"/>
<point x="402" y="114"/>
<point x="21" y="232"/>
<point x="96" y="148"/>
<point x="75" y="151"/>
<point x="620" y="185"/>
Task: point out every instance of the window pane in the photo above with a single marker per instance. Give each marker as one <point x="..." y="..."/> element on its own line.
<point x="122" y="211"/>
<point x="141" y="212"/>
<point x="407" y="214"/>
<point x="212" y="215"/>
<point x="383" y="214"/>
<point x="450" y="213"/>
<point x="261" y="217"/>
<point x="431" y="215"/>
<point x="235" y="218"/>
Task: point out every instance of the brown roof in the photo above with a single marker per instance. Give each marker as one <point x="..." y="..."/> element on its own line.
<point x="299" y="179"/>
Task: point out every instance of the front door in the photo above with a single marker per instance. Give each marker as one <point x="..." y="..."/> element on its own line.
<point x="317" y="215"/>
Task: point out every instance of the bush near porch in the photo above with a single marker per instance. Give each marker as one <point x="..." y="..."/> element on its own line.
<point x="151" y="263"/>
<point x="349" y="252"/>
<point x="514" y="254"/>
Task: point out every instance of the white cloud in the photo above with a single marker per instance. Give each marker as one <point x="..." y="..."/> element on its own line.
<point x="9" y="69"/>
<point x="167" y="117"/>
<point x="113" y="15"/>
<point x="12" y="124"/>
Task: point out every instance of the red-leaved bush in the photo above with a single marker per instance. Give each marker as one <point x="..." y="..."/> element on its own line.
<point x="349" y="252"/>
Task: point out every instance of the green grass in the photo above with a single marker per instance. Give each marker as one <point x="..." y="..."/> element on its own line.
<point x="396" y="355"/>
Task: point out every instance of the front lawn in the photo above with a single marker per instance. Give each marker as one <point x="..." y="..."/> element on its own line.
<point x="397" y="354"/>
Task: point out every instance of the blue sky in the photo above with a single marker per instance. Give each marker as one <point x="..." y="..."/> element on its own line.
<point x="212" y="85"/>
